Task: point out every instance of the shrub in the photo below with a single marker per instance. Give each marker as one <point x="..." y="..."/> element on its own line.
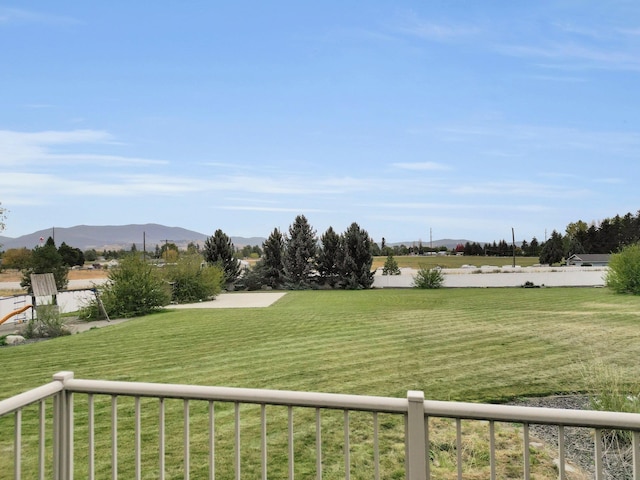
<point x="134" y="288"/>
<point x="192" y="282"/>
<point x="48" y="323"/>
<point x="428" y="278"/>
<point x="623" y="275"/>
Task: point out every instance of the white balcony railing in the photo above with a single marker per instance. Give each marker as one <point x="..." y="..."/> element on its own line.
<point x="78" y="426"/>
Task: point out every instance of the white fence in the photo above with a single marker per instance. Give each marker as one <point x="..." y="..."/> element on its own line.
<point x="491" y="276"/>
<point x="68" y="301"/>
<point x="67" y="438"/>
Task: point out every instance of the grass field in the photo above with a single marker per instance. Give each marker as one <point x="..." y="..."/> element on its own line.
<point x="454" y="344"/>
<point x="454" y="261"/>
<point x="458" y="344"/>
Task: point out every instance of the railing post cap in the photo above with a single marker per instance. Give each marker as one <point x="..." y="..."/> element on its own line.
<point x="63" y="376"/>
<point x="415" y="396"/>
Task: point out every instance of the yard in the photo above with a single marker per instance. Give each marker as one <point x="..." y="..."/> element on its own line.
<point x="479" y="345"/>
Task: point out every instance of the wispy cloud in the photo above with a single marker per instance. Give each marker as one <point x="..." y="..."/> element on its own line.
<point x="572" y="56"/>
<point x="435" y="31"/>
<point x="421" y="166"/>
<point x="37" y="148"/>
<point x="12" y="16"/>
<point x="255" y="208"/>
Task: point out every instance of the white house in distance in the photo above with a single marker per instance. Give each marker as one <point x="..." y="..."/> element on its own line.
<point x="589" y="259"/>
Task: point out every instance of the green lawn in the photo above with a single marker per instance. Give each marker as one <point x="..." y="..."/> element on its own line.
<point x="462" y="344"/>
<point x="455" y="344"/>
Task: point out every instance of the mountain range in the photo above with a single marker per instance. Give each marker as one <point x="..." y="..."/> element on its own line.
<point x="116" y="237"/>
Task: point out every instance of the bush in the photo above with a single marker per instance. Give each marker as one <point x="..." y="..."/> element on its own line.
<point x="624" y="270"/>
<point x="134" y="288"/>
<point x="192" y="282"/>
<point x="428" y="278"/>
<point x="48" y="323"/>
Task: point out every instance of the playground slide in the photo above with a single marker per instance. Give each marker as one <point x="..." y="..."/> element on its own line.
<point x="15" y="312"/>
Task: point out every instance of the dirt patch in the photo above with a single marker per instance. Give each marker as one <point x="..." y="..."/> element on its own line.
<point x="16" y="276"/>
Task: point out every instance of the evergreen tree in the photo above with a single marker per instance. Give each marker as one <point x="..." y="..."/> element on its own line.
<point x="271" y="267"/>
<point x="552" y="251"/>
<point x="356" y="258"/>
<point x="328" y="257"/>
<point x="45" y="259"/>
<point x="390" y="266"/>
<point x="300" y="253"/>
<point x="219" y="250"/>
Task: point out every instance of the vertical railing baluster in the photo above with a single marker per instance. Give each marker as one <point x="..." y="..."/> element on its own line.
<point x="263" y="440"/>
<point x="561" y="453"/>
<point x="347" y="447"/>
<point x="527" y="462"/>
<point x="635" y="445"/>
<point x="187" y="466"/>
<point x="42" y="440"/>
<point x="137" y="440"/>
<point x="91" y="437"/>
<point x="459" y="447"/>
<point x="318" y="445"/>
<point x="492" y="449"/>
<point x="597" y="439"/>
<point x="57" y="474"/>
<point x="427" y="448"/>
<point x="290" y="442"/>
<point x="237" y="441"/>
<point x="69" y="436"/>
<point x="212" y="442"/>
<point x="114" y="437"/>
<point x="17" y="445"/>
<point x="161" y="438"/>
<point x="376" y="448"/>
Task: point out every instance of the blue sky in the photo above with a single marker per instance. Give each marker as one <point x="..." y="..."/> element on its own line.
<point x="463" y="118"/>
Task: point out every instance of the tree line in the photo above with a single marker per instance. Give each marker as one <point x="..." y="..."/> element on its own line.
<point x="299" y="259"/>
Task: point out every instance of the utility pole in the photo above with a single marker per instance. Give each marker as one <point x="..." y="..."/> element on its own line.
<point x="513" y="244"/>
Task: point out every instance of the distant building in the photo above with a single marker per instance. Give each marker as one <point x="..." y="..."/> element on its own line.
<point x="589" y="259"/>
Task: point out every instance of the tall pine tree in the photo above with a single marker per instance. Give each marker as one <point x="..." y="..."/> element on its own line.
<point x="300" y="253"/>
<point x="271" y="266"/>
<point x="328" y="257"/>
<point x="219" y="250"/>
<point x="356" y="258"/>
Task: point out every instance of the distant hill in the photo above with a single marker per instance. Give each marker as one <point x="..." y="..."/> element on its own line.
<point x="116" y="237"/>
<point x="444" y="242"/>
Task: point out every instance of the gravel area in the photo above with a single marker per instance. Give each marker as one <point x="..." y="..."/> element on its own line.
<point x="579" y="447"/>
